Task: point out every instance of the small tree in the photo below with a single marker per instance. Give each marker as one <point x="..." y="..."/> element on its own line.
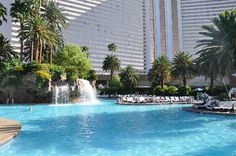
<point x="111" y="63"/>
<point x="71" y="55"/>
<point x="183" y="66"/>
<point x="129" y="78"/>
<point x="6" y="50"/>
<point x="112" y="47"/>
<point x="92" y="76"/>
<point x="160" y="71"/>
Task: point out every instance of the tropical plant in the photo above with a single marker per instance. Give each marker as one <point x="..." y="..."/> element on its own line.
<point x="184" y="90"/>
<point x="85" y="49"/>
<point x="160" y="90"/>
<point x="220" y="40"/>
<point x="208" y="66"/>
<point x="112" y="47"/>
<point x="53" y="13"/>
<point x="217" y="53"/>
<point x="3" y="14"/>
<point x="71" y="55"/>
<point x="6" y="50"/>
<point x="112" y="63"/>
<point x="20" y="11"/>
<point x="39" y="32"/>
<point x="160" y="71"/>
<point x="92" y="75"/>
<point x="115" y="82"/>
<point x="8" y="66"/>
<point x="171" y="90"/>
<point x="129" y="77"/>
<point x="71" y="73"/>
<point x="183" y="66"/>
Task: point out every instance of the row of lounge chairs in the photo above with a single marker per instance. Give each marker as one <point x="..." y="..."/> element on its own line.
<point x="154" y="99"/>
<point x="215" y="105"/>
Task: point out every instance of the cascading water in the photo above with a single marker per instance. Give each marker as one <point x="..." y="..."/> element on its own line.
<point x="61" y="94"/>
<point x="86" y="91"/>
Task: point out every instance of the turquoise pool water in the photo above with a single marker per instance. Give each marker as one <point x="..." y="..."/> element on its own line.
<point x="113" y="130"/>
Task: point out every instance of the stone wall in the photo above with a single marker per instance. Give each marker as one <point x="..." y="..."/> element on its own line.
<point x="23" y="90"/>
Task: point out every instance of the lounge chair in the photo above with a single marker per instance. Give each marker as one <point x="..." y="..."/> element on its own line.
<point x="207" y="105"/>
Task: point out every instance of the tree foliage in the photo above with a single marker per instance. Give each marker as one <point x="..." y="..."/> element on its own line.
<point x="3" y="14"/>
<point x="160" y="71"/>
<point x="6" y="50"/>
<point x="129" y="77"/>
<point x="183" y="66"/>
<point x="112" y="64"/>
<point x="71" y="55"/>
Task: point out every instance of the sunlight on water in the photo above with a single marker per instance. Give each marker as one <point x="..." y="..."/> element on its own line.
<point x="109" y="129"/>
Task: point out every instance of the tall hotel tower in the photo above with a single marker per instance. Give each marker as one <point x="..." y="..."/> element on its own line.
<point x="141" y="29"/>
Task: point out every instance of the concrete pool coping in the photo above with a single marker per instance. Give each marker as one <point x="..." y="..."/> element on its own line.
<point x="195" y="110"/>
<point x="8" y="129"/>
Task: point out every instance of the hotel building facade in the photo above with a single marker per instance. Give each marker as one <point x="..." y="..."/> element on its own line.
<point x="141" y="29"/>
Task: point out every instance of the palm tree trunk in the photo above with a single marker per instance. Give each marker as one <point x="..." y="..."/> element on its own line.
<point x="162" y="82"/>
<point x="111" y="74"/>
<point x="21" y="41"/>
<point x="31" y="51"/>
<point x="184" y="80"/>
<point x="40" y="52"/>
<point x="37" y="51"/>
<point x="211" y="82"/>
<point x="50" y="54"/>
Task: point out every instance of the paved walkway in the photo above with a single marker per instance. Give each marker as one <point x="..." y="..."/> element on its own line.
<point x="8" y="129"/>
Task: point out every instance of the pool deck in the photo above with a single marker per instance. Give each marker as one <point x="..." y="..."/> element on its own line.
<point x="161" y="103"/>
<point x="195" y="110"/>
<point x="8" y="129"/>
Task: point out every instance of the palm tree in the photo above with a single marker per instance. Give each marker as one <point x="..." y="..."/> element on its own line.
<point x="3" y="14"/>
<point x="183" y="66"/>
<point x="217" y="53"/>
<point x="6" y="50"/>
<point x="220" y="39"/>
<point x="112" y="47"/>
<point x="85" y="49"/>
<point x="39" y="32"/>
<point x="160" y="71"/>
<point x="19" y="12"/>
<point x="53" y="13"/>
<point x="128" y="77"/>
<point x="208" y="66"/>
<point x="112" y="63"/>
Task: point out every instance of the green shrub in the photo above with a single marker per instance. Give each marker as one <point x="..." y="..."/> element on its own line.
<point x="171" y="90"/>
<point x="184" y="91"/>
<point x="217" y="90"/>
<point x="72" y="55"/>
<point x="30" y="67"/>
<point x="42" y="77"/>
<point x="92" y="75"/>
<point x="115" y="82"/>
<point x="43" y="74"/>
<point x="223" y="96"/>
<point x="71" y="72"/>
<point x="56" y="71"/>
<point x="39" y="82"/>
<point x="160" y="91"/>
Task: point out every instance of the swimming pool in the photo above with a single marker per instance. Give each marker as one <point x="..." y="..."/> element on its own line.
<point x="107" y="129"/>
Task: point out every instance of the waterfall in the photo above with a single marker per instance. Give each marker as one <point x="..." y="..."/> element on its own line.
<point x="86" y="90"/>
<point x="61" y="94"/>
